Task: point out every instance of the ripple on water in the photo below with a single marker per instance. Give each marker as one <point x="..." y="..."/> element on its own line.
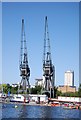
<point x="23" y="111"/>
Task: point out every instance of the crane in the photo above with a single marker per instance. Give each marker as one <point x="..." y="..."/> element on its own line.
<point x="48" y="67"/>
<point x="23" y="63"/>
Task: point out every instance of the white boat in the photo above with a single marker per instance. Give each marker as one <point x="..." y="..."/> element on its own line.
<point x="2" y="95"/>
<point x="19" y="98"/>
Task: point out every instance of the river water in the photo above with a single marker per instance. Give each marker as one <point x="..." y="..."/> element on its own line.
<point x="32" y="111"/>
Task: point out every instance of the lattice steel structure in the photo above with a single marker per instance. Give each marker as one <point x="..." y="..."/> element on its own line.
<point x="24" y="67"/>
<point x="48" y="67"/>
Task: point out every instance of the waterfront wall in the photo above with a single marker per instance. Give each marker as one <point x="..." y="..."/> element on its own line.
<point x="69" y="99"/>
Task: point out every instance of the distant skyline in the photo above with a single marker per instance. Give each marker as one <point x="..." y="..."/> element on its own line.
<point x="63" y="24"/>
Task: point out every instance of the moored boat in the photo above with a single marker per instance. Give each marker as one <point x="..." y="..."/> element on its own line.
<point x="19" y="98"/>
<point x="69" y="106"/>
<point x="55" y="104"/>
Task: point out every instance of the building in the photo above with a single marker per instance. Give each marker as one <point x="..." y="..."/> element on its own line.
<point x="69" y="78"/>
<point x="68" y="83"/>
<point x="14" y="85"/>
<point x="65" y="89"/>
<point x="38" y="98"/>
<point x="39" y="82"/>
<point x="32" y="86"/>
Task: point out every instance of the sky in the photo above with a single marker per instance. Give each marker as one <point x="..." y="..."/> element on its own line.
<point x="0" y="42"/>
<point x="63" y="25"/>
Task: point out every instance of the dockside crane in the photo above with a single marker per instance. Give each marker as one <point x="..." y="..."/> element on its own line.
<point x="23" y="63"/>
<point x="48" y="67"/>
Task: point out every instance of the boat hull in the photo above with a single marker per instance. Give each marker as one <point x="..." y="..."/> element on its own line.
<point x="19" y="101"/>
<point x="19" y="98"/>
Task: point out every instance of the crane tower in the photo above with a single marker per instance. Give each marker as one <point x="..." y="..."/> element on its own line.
<point x="48" y="67"/>
<point x="24" y="68"/>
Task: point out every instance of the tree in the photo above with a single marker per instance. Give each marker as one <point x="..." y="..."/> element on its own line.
<point x="14" y="90"/>
<point x="79" y="91"/>
<point x="57" y="92"/>
<point x="5" y="88"/>
<point x="0" y="87"/>
<point x="36" y="90"/>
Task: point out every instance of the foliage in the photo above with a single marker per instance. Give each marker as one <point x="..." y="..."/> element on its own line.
<point x="7" y="88"/>
<point x="79" y="91"/>
<point x="36" y="90"/>
<point x="70" y="94"/>
<point x="58" y="93"/>
<point x="14" y="90"/>
<point x="0" y="87"/>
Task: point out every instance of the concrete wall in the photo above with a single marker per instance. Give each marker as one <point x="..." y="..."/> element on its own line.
<point x="69" y="99"/>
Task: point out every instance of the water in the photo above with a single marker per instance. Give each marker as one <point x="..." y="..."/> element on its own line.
<point x="29" y="111"/>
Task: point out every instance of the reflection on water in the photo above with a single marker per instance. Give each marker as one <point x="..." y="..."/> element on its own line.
<point x="0" y="110"/>
<point x="23" y="111"/>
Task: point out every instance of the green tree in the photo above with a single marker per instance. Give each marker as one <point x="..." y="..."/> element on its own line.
<point x="14" y="90"/>
<point x="57" y="92"/>
<point x="79" y="91"/>
<point x="36" y="90"/>
<point x="6" y="88"/>
<point x="0" y="87"/>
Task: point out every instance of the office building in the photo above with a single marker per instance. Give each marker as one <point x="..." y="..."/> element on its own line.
<point x="39" y="82"/>
<point x="65" y="89"/>
<point x="69" y="78"/>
